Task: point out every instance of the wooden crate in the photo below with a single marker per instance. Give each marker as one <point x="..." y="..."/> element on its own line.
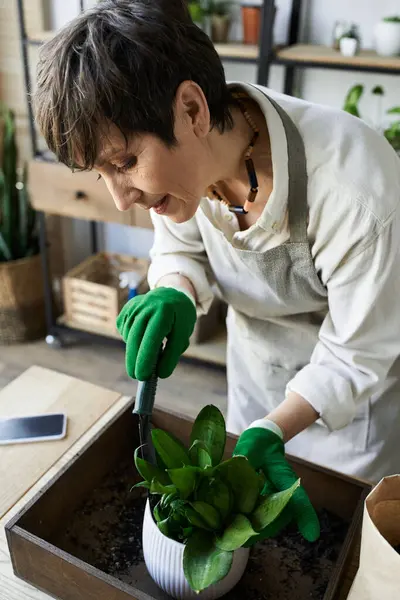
<point x="92" y="296"/>
<point x="42" y="557"/>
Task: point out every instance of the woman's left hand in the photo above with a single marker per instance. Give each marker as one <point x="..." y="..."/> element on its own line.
<point x="265" y="450"/>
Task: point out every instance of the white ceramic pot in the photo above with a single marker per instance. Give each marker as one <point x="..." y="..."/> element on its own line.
<point x="164" y="561"/>
<point x="387" y="38"/>
<point x="348" y="46"/>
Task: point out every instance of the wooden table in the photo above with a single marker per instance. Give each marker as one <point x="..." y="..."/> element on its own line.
<point x="12" y="588"/>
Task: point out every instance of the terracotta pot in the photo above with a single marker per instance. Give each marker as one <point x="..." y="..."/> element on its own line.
<point x="220" y="28"/>
<point x="251" y="17"/>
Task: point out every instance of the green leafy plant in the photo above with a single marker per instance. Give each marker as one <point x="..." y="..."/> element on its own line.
<point x="18" y="236"/>
<point x="220" y="8"/>
<point x="392" y="132"/>
<point x="196" y="11"/>
<point x="213" y="506"/>
<point x="394" y="19"/>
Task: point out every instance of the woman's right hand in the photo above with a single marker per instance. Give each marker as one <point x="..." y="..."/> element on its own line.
<point x="146" y="321"/>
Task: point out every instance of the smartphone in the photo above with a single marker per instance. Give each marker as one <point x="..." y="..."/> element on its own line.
<point x="36" y="428"/>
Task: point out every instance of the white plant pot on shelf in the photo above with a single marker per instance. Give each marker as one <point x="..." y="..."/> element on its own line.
<point x="387" y="38"/>
<point x="164" y="561"/>
<point x="348" y="46"/>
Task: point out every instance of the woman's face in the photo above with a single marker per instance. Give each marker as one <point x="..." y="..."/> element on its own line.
<point x="145" y="172"/>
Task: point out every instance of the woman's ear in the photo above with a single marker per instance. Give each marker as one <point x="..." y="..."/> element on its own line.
<point x="191" y="108"/>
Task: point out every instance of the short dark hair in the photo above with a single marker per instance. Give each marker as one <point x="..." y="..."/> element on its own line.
<point x="122" y="62"/>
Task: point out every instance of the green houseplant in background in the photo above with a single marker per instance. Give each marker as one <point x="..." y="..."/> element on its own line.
<point x="208" y="509"/>
<point x="21" y="288"/>
<point x="391" y="128"/>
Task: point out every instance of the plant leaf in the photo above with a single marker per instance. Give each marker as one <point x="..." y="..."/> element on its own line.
<point x="167" y="499"/>
<point x="208" y="513"/>
<point x="243" y="480"/>
<point x="209" y="427"/>
<point x="394" y="110"/>
<point x="143" y="484"/>
<point x="203" y="563"/>
<point x="149" y="471"/>
<point x="4" y="249"/>
<point x="171" y="450"/>
<point x="200" y="454"/>
<point x="194" y="518"/>
<point x="271" y="507"/>
<point x="158" y="512"/>
<point x="184" y="479"/>
<point x="158" y="488"/>
<point x="218" y="494"/>
<point x="236" y="534"/>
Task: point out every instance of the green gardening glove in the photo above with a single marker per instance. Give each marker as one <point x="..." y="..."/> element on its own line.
<point x="265" y="450"/>
<point x="144" y="323"/>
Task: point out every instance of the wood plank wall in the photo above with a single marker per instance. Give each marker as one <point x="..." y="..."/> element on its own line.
<point x="12" y="93"/>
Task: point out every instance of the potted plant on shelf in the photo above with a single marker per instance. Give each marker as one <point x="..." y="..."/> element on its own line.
<point x="21" y="288"/>
<point x="209" y="511"/>
<point x="389" y="128"/>
<point x="219" y="13"/>
<point x="387" y="36"/>
<point x="251" y="19"/>
<point x="349" y="42"/>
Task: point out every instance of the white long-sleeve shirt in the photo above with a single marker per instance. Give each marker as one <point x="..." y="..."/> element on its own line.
<point x="354" y="233"/>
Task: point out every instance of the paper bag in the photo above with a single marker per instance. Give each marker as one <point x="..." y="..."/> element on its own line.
<point x="378" y="576"/>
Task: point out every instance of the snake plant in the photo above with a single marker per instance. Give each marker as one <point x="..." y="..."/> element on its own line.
<point x="18" y="236"/>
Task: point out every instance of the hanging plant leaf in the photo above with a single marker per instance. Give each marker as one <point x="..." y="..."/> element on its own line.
<point x="200" y="455"/>
<point x="236" y="534"/>
<point x="149" y="471"/>
<point x="203" y="563"/>
<point x="171" y="450"/>
<point x="271" y="507"/>
<point x="209" y="427"/>
<point x="184" y="479"/>
<point x="243" y="480"/>
<point x="208" y="513"/>
<point x="218" y="494"/>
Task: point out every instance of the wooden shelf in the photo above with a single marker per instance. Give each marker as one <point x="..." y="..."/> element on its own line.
<point x="39" y="37"/>
<point x="307" y="55"/>
<point x="213" y="351"/>
<point x="324" y="56"/>
<point x="245" y="52"/>
<point x="237" y="51"/>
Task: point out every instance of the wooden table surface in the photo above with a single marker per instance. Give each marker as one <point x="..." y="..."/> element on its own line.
<point x="12" y="588"/>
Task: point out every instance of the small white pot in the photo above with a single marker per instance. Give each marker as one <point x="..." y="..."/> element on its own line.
<point x="348" y="46"/>
<point x="387" y="38"/>
<point x="164" y="561"/>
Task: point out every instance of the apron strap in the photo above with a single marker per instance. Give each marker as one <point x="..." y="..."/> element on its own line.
<point x="298" y="178"/>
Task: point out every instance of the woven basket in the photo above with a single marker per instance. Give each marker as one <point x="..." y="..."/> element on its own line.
<point x="22" y="315"/>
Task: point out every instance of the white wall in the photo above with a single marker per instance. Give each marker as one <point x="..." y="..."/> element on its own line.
<point x="317" y="85"/>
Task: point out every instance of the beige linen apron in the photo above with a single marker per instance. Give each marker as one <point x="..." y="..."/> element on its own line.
<point x="273" y="328"/>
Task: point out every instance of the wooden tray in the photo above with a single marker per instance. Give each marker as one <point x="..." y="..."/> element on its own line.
<point x="54" y="541"/>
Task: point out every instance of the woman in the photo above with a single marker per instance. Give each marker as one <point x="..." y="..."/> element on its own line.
<point x="290" y="208"/>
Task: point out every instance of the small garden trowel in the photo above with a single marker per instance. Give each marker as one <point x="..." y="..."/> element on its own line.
<point x="144" y="403"/>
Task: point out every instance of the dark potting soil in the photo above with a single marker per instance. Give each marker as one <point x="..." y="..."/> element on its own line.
<point x="106" y="533"/>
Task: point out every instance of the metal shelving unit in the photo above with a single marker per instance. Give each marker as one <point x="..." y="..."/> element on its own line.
<point x="292" y="56"/>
